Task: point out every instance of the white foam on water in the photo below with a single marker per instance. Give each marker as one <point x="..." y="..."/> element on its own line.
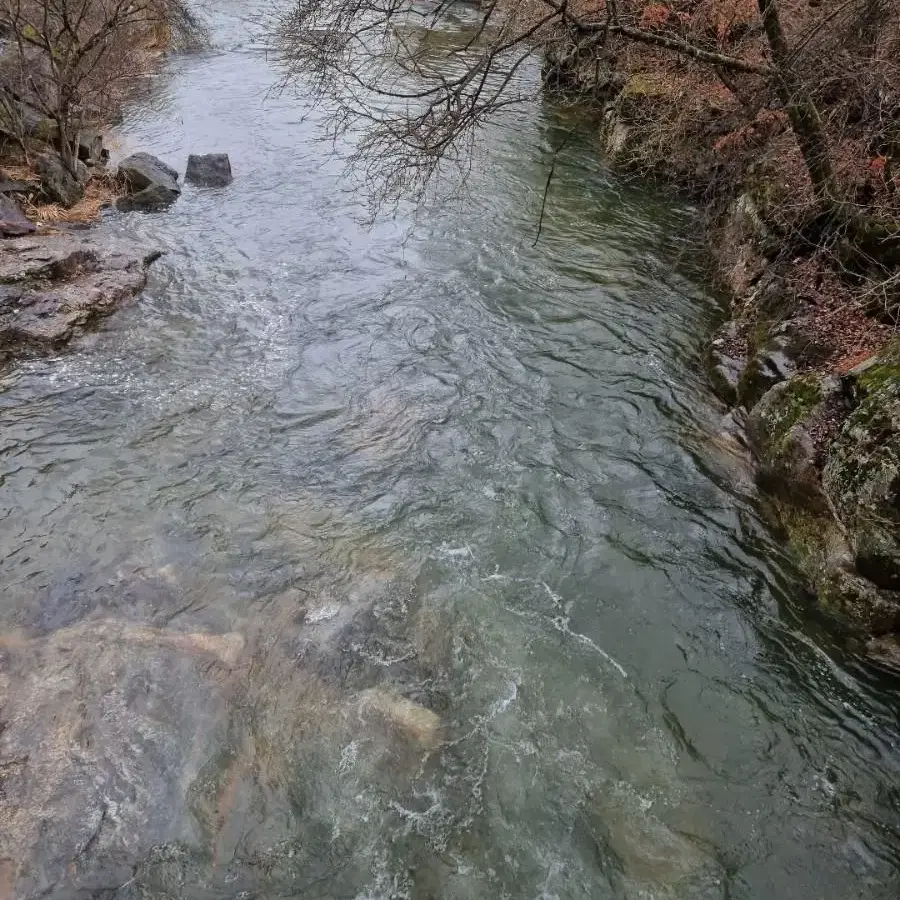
<point x="502" y="704"/>
<point x="464" y="551"/>
<point x="349" y="757"/>
<point x="323" y="613"/>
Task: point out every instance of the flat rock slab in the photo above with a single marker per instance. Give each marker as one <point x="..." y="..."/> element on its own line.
<point x="54" y="287"/>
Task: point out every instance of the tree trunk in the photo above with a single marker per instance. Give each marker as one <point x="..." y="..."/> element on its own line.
<point x="802" y="113"/>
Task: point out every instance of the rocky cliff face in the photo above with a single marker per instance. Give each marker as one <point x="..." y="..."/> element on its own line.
<point x="816" y="381"/>
<point x="828" y="452"/>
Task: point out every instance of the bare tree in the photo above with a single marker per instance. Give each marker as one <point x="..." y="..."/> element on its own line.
<point x="68" y="59"/>
<point x="373" y="62"/>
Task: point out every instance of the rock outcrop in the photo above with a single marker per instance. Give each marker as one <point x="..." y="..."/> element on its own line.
<point x="209" y="170"/>
<point x="862" y="472"/>
<point x="783" y="430"/>
<point x="828" y="450"/>
<point x="58" y="184"/>
<point x="54" y="287"/>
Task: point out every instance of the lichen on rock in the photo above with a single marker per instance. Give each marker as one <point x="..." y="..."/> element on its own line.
<point x="862" y="471"/>
<point x="780" y="430"/>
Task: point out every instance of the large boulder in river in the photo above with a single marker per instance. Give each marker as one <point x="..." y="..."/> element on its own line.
<point x="141" y="170"/>
<point x="862" y="471"/>
<point x="209" y="170"/>
<point x="58" y="184"/>
<point x="152" y="184"/>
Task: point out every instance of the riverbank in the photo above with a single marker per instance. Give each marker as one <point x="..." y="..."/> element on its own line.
<point x="805" y="361"/>
<point x="369" y="562"/>
<point x="55" y="281"/>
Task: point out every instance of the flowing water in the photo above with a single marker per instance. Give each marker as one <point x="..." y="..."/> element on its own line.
<point x="392" y="561"/>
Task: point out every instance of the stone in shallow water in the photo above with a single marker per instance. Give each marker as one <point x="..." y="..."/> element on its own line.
<point x="151" y="199"/>
<point x="411" y="719"/>
<point x="209" y="170"/>
<point x="642" y="856"/>
<point x="142" y="170"/>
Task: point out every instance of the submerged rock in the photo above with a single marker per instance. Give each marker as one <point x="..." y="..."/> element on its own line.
<point x="209" y="170"/>
<point x="151" y="199"/>
<point x="54" y="287"/>
<point x="102" y="722"/>
<point x="412" y="720"/>
<point x="642" y="857"/>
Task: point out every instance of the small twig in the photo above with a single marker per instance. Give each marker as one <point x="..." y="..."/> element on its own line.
<point x="550" y="174"/>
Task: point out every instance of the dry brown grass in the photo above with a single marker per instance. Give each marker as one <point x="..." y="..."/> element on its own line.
<point x="17" y="172"/>
<point x="101" y="192"/>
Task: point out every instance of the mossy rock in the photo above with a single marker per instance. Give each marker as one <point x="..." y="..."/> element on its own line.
<point x="780" y="430"/>
<point x="820" y="549"/>
<point x="859" y="602"/>
<point x="862" y="471"/>
<point x="816" y="541"/>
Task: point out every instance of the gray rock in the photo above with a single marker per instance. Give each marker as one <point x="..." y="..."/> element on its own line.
<point x="141" y="171"/>
<point x="58" y="184"/>
<point x="780" y="430"/>
<point x="13" y="222"/>
<point x="725" y="374"/>
<point x="724" y="365"/>
<point x="151" y="199"/>
<point x="82" y="173"/>
<point x="859" y="602"/>
<point x="771" y="364"/>
<point x="209" y="170"/>
<point x="53" y="288"/>
<point x="15" y="187"/>
<point x="21" y="120"/>
<point x="862" y="472"/>
<point x="734" y="425"/>
<point x="90" y="146"/>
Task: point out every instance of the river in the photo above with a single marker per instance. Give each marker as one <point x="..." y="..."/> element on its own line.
<point x="399" y="561"/>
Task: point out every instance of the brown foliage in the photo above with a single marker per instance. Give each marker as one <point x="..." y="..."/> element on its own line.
<point x="796" y="103"/>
